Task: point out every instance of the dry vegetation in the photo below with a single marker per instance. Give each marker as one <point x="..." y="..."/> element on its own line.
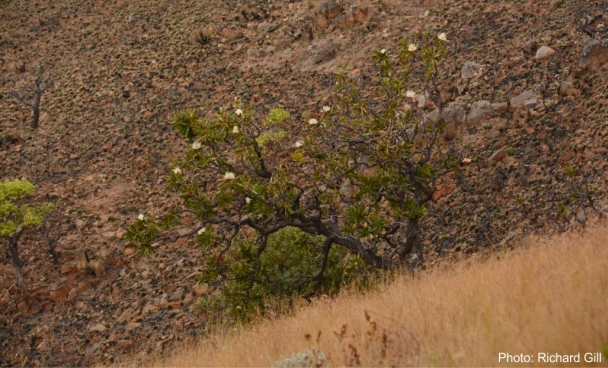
<point x="550" y="296"/>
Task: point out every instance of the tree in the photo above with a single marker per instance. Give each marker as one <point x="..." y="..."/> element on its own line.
<point x="16" y="217"/>
<point x="357" y="176"/>
<point x="42" y="82"/>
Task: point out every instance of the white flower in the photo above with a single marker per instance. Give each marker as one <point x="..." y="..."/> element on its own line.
<point x="247" y="200"/>
<point x="383" y="51"/>
<point x="426" y="13"/>
<point x="410" y="94"/>
<point x="202" y="230"/>
<point x="238" y="112"/>
<point x="177" y="170"/>
<point x="313" y="121"/>
<point x="442" y="37"/>
<point x="299" y="144"/>
<point x="235" y="130"/>
<point x="196" y="145"/>
<point x="229" y="175"/>
<point x="412" y="47"/>
<point x="141" y="216"/>
<point x="326" y="108"/>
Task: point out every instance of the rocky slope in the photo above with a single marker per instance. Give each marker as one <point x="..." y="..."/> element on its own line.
<point x="524" y="108"/>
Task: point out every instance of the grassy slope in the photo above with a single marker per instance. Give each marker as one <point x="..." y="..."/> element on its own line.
<point x="548" y="297"/>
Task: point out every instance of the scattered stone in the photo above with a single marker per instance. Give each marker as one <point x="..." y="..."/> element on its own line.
<point x="150" y="308"/>
<point x="188" y="299"/>
<point x="544" y="52"/>
<point x="124" y="316"/>
<point x="500" y="107"/>
<point x="346" y="188"/>
<point x="519" y="100"/>
<point x="200" y="290"/>
<point x="530" y="104"/>
<point x="319" y="52"/>
<point x="92" y="350"/>
<point x="470" y="69"/>
<point x="68" y="267"/>
<point x="287" y="52"/>
<point x="267" y="27"/>
<point x="595" y="54"/>
<point x="11" y="307"/>
<point x="59" y="292"/>
<point x="163" y="301"/>
<point x="466" y="161"/>
<point x="132" y="326"/>
<point x="581" y="217"/>
<point x="98" y="328"/>
<point x="123" y="344"/>
<point x="480" y="111"/>
<point x="328" y="11"/>
<point x="176" y="295"/>
<point x="453" y="113"/>
<point x="567" y="89"/>
<point x="498" y="155"/>
<point x="529" y="46"/>
<point x="421" y="98"/>
<point x="443" y="191"/>
<point x="270" y="50"/>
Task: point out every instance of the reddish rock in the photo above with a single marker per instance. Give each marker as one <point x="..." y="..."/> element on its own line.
<point x="595" y="54"/>
<point x="443" y="191"/>
<point x="498" y="155"/>
<point x="59" y="292"/>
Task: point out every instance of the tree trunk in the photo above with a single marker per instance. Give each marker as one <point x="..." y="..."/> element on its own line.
<point x="54" y="254"/>
<point x="36" y="108"/>
<point x="14" y="250"/>
<point x="412" y="244"/>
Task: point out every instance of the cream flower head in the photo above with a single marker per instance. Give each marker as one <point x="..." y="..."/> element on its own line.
<point x="177" y="170"/>
<point x="247" y="200"/>
<point x="383" y="51"/>
<point x="412" y="47"/>
<point x="299" y="144"/>
<point x="235" y="129"/>
<point x="442" y="37"/>
<point x="326" y="108"/>
<point x="141" y="216"/>
<point x="410" y="94"/>
<point x="313" y="121"/>
<point x="229" y="175"/>
<point x="196" y="145"/>
<point x="202" y="230"/>
<point x="238" y="112"/>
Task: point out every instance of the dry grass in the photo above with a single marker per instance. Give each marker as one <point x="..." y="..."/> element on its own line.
<point x="549" y="296"/>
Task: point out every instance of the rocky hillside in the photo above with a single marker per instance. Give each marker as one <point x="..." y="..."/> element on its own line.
<point x="527" y="83"/>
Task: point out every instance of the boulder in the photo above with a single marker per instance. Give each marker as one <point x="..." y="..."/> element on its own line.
<point x="595" y="54"/>
<point x="544" y="52"/>
<point x="328" y="11"/>
<point x="480" y="112"/>
<point x="470" y="69"/>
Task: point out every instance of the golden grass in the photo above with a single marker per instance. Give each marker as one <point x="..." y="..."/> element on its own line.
<point x="548" y="296"/>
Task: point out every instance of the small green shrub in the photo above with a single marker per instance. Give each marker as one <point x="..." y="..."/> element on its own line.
<point x="290" y="261"/>
<point x="16" y="216"/>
